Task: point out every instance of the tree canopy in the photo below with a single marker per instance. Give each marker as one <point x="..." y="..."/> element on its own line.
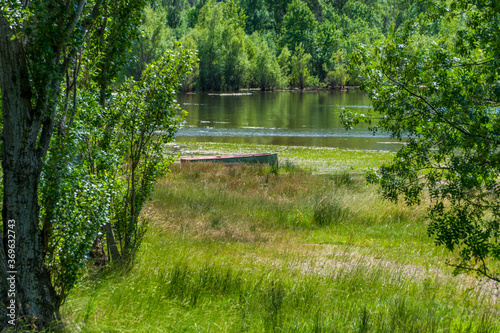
<point x="220" y="29"/>
<point x="75" y="156"/>
<point x="442" y="91"/>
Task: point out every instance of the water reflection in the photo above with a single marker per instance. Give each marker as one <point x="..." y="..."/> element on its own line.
<point x="282" y="118"/>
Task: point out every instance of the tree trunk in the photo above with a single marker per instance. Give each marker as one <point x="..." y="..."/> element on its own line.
<point x="110" y="239"/>
<point x="3" y="284"/>
<point x="35" y="299"/>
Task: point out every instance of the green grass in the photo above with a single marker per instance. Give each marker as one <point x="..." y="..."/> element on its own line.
<point x="317" y="159"/>
<point x="254" y="249"/>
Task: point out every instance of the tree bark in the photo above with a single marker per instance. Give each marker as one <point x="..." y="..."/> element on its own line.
<point x="3" y="284"/>
<point x="36" y="300"/>
<point x="110" y="239"/>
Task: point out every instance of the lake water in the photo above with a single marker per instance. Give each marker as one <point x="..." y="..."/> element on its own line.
<point x="279" y="118"/>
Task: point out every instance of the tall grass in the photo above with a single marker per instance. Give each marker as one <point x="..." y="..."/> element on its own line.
<point x="250" y="249"/>
<point x="195" y="293"/>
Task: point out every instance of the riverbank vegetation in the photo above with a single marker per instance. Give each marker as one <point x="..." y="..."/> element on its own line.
<point x="253" y="249"/>
<point x="269" y="44"/>
<point x="320" y="160"/>
<point x="444" y="95"/>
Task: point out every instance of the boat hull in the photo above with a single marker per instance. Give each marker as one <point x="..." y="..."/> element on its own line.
<point x="268" y="158"/>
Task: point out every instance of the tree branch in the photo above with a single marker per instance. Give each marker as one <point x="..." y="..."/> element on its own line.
<point x="73" y="21"/>
<point x="477" y="270"/>
<point x="434" y="110"/>
<point x="474" y="63"/>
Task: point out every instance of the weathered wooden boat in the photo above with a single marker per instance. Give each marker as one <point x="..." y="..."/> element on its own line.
<point x="265" y="158"/>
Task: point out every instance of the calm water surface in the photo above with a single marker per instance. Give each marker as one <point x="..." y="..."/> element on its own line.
<point x="279" y="118"/>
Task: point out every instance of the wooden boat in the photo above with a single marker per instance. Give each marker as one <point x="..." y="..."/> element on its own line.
<point x="266" y="158"/>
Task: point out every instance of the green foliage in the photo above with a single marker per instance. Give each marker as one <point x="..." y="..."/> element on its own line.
<point x="190" y="81"/>
<point x="148" y="117"/>
<point x="60" y="47"/>
<point x="278" y="9"/>
<point x="358" y="12"/>
<point x="221" y="33"/>
<point x="329" y="40"/>
<point x="258" y="16"/>
<point x="298" y="27"/>
<point x="266" y="70"/>
<point x="156" y="38"/>
<point x="174" y="9"/>
<point x="222" y="47"/>
<point x="104" y="163"/>
<point x="193" y="13"/>
<point x="339" y="75"/>
<point x="111" y="39"/>
<point x="443" y="93"/>
<point x="299" y="72"/>
<point x="399" y="11"/>
<point x="75" y="203"/>
<point x="284" y="63"/>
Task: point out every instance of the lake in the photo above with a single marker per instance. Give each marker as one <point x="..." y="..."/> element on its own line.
<point x="279" y="118"/>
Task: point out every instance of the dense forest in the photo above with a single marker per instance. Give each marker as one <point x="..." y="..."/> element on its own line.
<point x="269" y="44"/>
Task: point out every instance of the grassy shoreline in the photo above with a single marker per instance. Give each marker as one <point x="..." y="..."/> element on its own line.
<point x="316" y="159"/>
<point x="254" y="249"/>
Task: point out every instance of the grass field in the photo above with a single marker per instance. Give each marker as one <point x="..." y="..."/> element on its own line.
<point x="323" y="160"/>
<point x="255" y="249"/>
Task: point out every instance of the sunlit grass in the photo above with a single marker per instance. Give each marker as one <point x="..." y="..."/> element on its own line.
<point x="254" y="249"/>
<point x="317" y="159"/>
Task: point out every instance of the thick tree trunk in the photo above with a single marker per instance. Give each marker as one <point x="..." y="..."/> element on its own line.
<point x="36" y="301"/>
<point x="3" y="284"/>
